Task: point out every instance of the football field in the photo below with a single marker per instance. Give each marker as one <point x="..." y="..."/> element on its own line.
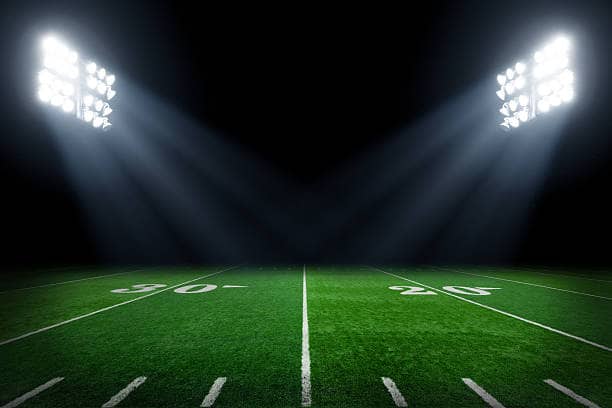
<point x="294" y="336"/>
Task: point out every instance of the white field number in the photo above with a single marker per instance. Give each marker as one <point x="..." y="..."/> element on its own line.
<point x="140" y="288"/>
<point x="461" y="290"/>
<point x="149" y="287"/>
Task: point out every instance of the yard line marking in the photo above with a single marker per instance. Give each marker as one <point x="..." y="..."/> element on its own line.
<point x="214" y="392"/>
<point x="120" y="396"/>
<point x="70" y="281"/>
<point x="306" y="398"/>
<point x="34" y="392"/>
<point x="397" y="396"/>
<point x="572" y="394"/>
<point x="488" y="398"/>
<point x="527" y="283"/>
<point x="504" y="313"/>
<point x="104" y="309"/>
<point x="234" y="286"/>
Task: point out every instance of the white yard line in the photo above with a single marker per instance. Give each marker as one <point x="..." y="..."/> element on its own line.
<point x="70" y="281"/>
<point x="214" y="392"/>
<point x="486" y="397"/>
<point x="120" y="396"/>
<point x="306" y="398"/>
<point x="397" y="396"/>
<point x="592" y="343"/>
<point x="527" y="283"/>
<point x="572" y="394"/>
<point x="32" y="393"/>
<point x="104" y="309"/>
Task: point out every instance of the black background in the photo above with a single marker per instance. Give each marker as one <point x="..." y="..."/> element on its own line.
<point x="306" y="89"/>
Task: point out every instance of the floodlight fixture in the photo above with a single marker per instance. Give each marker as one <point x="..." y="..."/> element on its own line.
<point x="74" y="85"/>
<point x="533" y="87"/>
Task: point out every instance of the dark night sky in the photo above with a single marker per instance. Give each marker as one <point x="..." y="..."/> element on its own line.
<point x="306" y="90"/>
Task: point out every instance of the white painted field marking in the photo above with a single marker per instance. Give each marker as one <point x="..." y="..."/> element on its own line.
<point x="504" y="313"/>
<point x="120" y="396"/>
<point x="572" y="394"/>
<point x="34" y="392"/>
<point x="104" y="309"/>
<point x="70" y="281"/>
<point x="306" y="398"/>
<point x="397" y="396"/>
<point x="530" y="284"/>
<point x="233" y="286"/>
<point x="486" y="397"/>
<point x="214" y="392"/>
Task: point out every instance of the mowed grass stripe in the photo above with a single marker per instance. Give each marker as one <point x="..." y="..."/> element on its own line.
<point x="543" y="326"/>
<point x="550" y="273"/>
<point x="104" y="309"/>
<point x="525" y="283"/>
<point x="69" y="281"/>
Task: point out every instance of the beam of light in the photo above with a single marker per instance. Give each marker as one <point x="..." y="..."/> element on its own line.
<point x="163" y="186"/>
<point x="215" y="202"/>
<point x="415" y="220"/>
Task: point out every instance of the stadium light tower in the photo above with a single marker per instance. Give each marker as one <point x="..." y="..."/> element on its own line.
<point x="76" y="86"/>
<point x="534" y="87"/>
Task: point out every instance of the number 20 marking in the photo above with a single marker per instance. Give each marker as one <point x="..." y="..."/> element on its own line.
<point x="412" y="290"/>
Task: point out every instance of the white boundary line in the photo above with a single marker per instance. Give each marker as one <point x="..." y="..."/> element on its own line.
<point x="486" y="397"/>
<point x="120" y="396"/>
<point x="526" y="283"/>
<point x="214" y="392"/>
<point x="70" y="281"/>
<point x="23" y="336"/>
<point x="34" y="392"/>
<point x="397" y="396"/>
<point x="579" y="399"/>
<point x="306" y="397"/>
<point x="504" y="313"/>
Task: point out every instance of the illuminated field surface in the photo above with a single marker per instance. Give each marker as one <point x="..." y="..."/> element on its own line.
<point x="236" y="336"/>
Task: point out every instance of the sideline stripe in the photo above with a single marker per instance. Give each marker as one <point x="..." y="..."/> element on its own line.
<point x="572" y="394"/>
<point x="306" y="398"/>
<point x="32" y="393"/>
<point x="488" y="398"/>
<point x="214" y="392"/>
<point x="120" y="396"/>
<point x="23" y="336"/>
<point x="70" y="281"/>
<point x="397" y="396"/>
<point x="504" y="313"/>
<point x="526" y="283"/>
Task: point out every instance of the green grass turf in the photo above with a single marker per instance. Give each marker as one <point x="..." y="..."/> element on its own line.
<point x="360" y="330"/>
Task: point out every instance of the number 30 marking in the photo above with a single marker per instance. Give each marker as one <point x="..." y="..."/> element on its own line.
<point x="149" y="287"/>
<point x="140" y="288"/>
